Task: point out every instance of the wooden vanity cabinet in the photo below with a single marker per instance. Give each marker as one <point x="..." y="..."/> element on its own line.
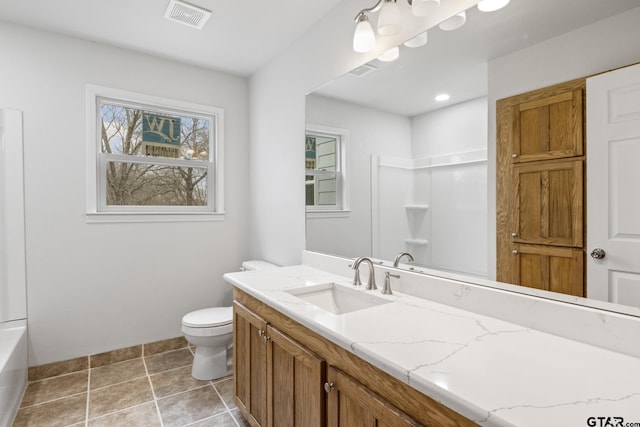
<point x="277" y="382"/>
<point x="280" y="379"/>
<point x="349" y="404"/>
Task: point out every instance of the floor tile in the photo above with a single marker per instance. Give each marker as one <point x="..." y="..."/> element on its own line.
<point x="139" y="416"/>
<point x="225" y="388"/>
<point x="175" y="381"/>
<point x="117" y="397"/>
<point x="239" y="418"/>
<point x="191" y="406"/>
<point x="62" y="412"/>
<point x="222" y="420"/>
<point x="55" y="388"/>
<point x="169" y="360"/>
<point x="117" y="373"/>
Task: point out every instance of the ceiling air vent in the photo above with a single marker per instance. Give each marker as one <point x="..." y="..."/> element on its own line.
<point x="362" y="70"/>
<point x="187" y="14"/>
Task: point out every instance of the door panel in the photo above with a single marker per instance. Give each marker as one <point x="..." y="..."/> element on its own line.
<point x="549" y="268"/>
<point x="351" y="404"/>
<point x="549" y="127"/>
<point x="613" y="159"/>
<point x="548" y="202"/>
<point x="296" y="377"/>
<point x="250" y="364"/>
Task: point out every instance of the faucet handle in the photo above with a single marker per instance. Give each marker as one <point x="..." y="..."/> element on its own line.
<point x="386" y="290"/>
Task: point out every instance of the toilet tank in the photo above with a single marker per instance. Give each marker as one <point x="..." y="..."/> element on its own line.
<point x="257" y="265"/>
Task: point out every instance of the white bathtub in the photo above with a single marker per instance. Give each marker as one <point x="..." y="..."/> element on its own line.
<point x="13" y="368"/>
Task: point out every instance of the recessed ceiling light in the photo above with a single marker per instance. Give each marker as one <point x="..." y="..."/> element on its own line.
<point x="442" y="97"/>
<point x="492" y="5"/>
<point x="390" y="55"/>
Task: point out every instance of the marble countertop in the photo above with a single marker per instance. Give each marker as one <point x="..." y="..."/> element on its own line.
<point x="493" y="372"/>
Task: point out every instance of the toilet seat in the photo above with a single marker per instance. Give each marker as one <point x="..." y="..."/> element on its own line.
<point x="208" y="322"/>
<point x="208" y="317"/>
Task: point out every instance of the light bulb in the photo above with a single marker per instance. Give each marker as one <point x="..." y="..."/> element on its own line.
<point x="454" y="22"/>
<point x="492" y="5"/>
<point x="390" y="55"/>
<point x="424" y="7"/>
<point x="364" y="39"/>
<point x="417" y="41"/>
<point x="389" y="18"/>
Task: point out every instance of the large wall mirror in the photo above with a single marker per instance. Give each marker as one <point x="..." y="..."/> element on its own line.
<point x="409" y="173"/>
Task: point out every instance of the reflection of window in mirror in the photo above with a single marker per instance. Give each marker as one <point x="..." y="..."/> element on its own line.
<point x="324" y="170"/>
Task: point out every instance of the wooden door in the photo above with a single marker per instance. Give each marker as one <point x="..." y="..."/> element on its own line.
<point x="295" y="378"/>
<point x="540" y="186"/>
<point x="250" y="364"/>
<point x="613" y="128"/>
<point x="548" y="203"/>
<point x="350" y="404"/>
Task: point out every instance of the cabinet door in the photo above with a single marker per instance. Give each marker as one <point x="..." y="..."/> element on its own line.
<point x="250" y="364"/>
<point x="350" y="404"/>
<point x="548" y="203"/>
<point x="295" y="378"/>
<point x="549" y="127"/>
<point x="549" y="268"/>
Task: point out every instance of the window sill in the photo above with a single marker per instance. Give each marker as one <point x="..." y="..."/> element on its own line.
<point x="328" y="214"/>
<point x="121" y="217"/>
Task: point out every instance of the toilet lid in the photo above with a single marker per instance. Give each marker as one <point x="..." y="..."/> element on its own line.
<point x="209" y="317"/>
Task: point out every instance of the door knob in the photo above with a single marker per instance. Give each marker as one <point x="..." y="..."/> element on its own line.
<point x="598" y="253"/>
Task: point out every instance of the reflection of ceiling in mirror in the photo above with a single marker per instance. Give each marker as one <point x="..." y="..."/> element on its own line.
<point x="456" y="61"/>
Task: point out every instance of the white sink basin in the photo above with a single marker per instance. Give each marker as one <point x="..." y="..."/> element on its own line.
<point x="337" y="299"/>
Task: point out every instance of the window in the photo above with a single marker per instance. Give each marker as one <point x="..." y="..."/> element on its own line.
<point x="324" y="165"/>
<point x="154" y="156"/>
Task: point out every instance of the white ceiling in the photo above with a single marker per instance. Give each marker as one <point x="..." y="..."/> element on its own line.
<point x="456" y="61"/>
<point x="240" y="36"/>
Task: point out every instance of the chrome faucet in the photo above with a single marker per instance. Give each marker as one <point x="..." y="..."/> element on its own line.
<point x="371" y="284"/>
<point x="400" y="255"/>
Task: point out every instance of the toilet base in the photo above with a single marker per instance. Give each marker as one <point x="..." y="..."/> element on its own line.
<point x="210" y="363"/>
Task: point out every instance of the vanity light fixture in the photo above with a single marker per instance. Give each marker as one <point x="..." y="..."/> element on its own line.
<point x="417" y="41"/>
<point x="390" y="55"/>
<point x="442" y="97"/>
<point x="454" y="22"/>
<point x="389" y="22"/>
<point x="424" y="7"/>
<point x="492" y="5"/>
<point x="389" y="18"/>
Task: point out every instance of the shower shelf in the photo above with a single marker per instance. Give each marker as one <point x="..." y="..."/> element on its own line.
<point x="416" y="242"/>
<point x="417" y="207"/>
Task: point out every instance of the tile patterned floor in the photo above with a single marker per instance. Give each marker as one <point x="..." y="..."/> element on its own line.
<point x="155" y="390"/>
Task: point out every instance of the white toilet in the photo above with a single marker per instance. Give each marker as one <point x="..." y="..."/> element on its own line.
<point x="211" y="331"/>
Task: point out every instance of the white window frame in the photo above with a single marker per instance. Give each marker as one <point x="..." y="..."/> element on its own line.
<point x="99" y="211"/>
<point x="341" y="209"/>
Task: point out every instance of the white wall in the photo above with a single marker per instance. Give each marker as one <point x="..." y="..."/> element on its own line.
<point x="277" y="96"/>
<point x="371" y="132"/>
<point x="595" y="48"/>
<point x="97" y="287"/>
<point x="456" y="195"/>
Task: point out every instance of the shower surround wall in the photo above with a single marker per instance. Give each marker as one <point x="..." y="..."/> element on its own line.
<point x="13" y="308"/>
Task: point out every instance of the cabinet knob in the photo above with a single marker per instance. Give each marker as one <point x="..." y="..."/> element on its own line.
<point x="265" y="338"/>
<point x="260" y="333"/>
<point x="515" y="252"/>
<point x="514" y="235"/>
<point x="328" y="387"/>
<point x="514" y="155"/>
